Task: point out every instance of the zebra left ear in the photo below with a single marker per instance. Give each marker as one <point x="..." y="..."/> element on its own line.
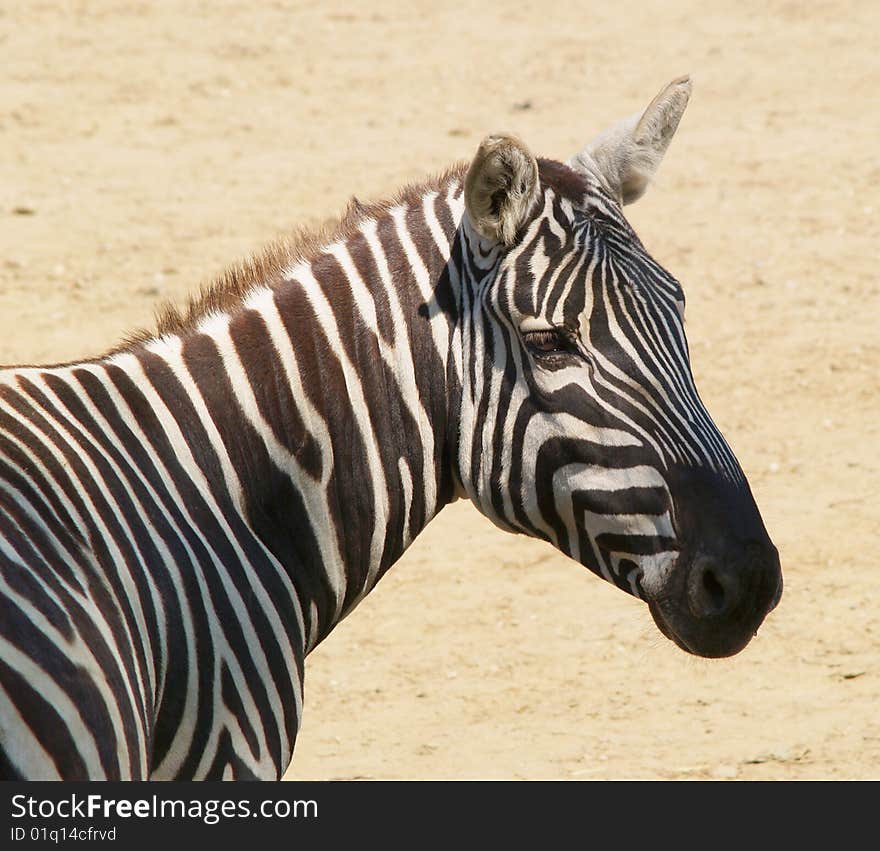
<point x="627" y="154"/>
<point x="500" y="187"/>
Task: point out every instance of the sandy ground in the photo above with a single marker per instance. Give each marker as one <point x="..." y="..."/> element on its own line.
<point x="144" y="146"/>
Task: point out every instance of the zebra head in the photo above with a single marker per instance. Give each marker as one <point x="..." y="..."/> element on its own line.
<point x="581" y="423"/>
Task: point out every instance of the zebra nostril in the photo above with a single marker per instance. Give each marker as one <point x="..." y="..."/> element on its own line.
<point x="712" y="588"/>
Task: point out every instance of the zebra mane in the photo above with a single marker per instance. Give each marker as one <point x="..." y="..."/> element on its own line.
<point x="266" y="267"/>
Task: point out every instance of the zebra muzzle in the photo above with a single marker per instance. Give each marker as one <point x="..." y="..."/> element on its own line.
<point x="714" y="607"/>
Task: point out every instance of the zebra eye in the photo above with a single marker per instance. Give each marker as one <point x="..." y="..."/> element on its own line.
<point x="550" y="341"/>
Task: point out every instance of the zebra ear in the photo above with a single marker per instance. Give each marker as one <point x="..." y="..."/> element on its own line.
<point x="500" y="187"/>
<point x="627" y="154"/>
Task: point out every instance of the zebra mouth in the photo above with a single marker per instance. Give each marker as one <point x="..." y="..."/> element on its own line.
<point x="714" y="644"/>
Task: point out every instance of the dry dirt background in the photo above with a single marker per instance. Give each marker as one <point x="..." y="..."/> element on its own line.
<point x="146" y="145"/>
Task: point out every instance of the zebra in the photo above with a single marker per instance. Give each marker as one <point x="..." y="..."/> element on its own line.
<point x="184" y="518"/>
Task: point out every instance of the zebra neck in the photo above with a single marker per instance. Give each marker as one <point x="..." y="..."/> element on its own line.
<point x="322" y="408"/>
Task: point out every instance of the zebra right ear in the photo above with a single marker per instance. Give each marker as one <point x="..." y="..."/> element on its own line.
<point x="627" y="154"/>
<point x="500" y="187"/>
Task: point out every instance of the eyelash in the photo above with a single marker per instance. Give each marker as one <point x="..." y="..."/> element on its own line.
<point x="549" y="343"/>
